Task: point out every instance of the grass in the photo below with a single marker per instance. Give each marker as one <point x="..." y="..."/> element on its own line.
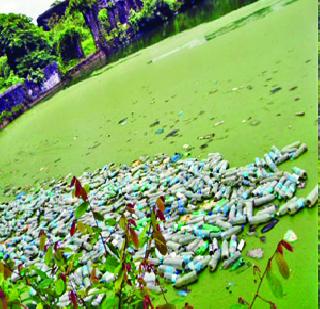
<point x="190" y="83"/>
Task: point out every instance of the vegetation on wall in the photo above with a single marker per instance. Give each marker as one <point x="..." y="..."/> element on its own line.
<point x="26" y="49"/>
<point x="26" y="46"/>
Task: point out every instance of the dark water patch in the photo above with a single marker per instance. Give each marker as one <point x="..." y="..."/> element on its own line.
<point x="201" y="12"/>
<point x="259" y="14"/>
<point x="240" y="22"/>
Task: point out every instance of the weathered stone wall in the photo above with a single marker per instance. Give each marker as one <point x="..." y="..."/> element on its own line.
<point x="19" y="98"/>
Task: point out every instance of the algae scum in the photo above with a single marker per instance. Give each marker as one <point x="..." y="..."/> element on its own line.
<point x="235" y="86"/>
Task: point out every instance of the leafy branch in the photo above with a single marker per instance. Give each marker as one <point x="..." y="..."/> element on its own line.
<point x="273" y="281"/>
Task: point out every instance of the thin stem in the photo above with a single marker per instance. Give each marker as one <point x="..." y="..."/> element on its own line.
<point x="265" y="300"/>
<point x="261" y="280"/>
<point x="146" y="257"/>
<point x="123" y="260"/>
<point x="106" y="249"/>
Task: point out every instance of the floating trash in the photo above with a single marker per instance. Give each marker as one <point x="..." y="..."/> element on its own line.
<point x="290" y="236"/>
<point x="275" y="90"/>
<point x="207" y="205"/>
<point x="269" y="226"/>
<point x="186" y="147"/>
<point x="155" y="123"/>
<point x="173" y="133"/>
<point x="208" y="136"/>
<point x="300" y="114"/>
<point x="255" y="253"/>
<point x="159" y="131"/>
<point x="123" y="121"/>
<point x="204" y="146"/>
<point x="254" y="122"/>
<point x="219" y="123"/>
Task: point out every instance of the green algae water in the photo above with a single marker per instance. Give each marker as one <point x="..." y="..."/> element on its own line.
<point x="242" y="77"/>
<point x="204" y="11"/>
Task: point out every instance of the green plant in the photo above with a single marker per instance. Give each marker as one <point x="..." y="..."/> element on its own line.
<point x="8" y="81"/>
<point x="273" y="282"/>
<point x="26" y="46"/>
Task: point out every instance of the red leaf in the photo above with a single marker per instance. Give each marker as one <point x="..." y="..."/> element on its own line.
<point x="73" y="181"/>
<point x="128" y="267"/>
<point x="147" y="302"/>
<point x="132" y="222"/>
<point x="187" y="306"/>
<point x="79" y="192"/>
<point x="160" y="215"/>
<point x="160" y="203"/>
<point x="160" y="242"/>
<point x="73" y="299"/>
<point x="273" y="306"/>
<point x="93" y="276"/>
<point x="134" y="238"/>
<point x="131" y="210"/>
<point x="286" y="245"/>
<point x="279" y="248"/>
<point x="73" y="227"/>
<point x="3" y="300"/>
<point x="56" y="245"/>
<point x="63" y="277"/>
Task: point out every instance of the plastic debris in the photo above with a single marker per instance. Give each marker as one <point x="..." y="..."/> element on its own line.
<point x="208" y="203"/>
<point x="255" y="253"/>
<point x="159" y="131"/>
<point x="123" y="121"/>
<point x="269" y="226"/>
<point x="290" y="236"/>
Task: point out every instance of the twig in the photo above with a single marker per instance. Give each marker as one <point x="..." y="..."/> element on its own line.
<point x="261" y="281"/>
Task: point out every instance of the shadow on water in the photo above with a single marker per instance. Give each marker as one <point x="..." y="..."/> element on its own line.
<point x="259" y="14"/>
<point x="204" y="11"/>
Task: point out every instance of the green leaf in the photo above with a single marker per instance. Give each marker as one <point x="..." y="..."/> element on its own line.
<point x="274" y="284"/>
<point x="98" y="216"/>
<point x="60" y="287"/>
<point x="41" y="273"/>
<point x="114" y="249"/>
<point x="87" y="187"/>
<point x="44" y="284"/>
<point x="109" y="302"/>
<point x="111" y="263"/>
<point x="14" y="294"/>
<point x="39" y="306"/>
<point x="81" y="210"/>
<point x="111" y="222"/>
<point x="122" y="223"/>
<point x="48" y="256"/>
<point x="118" y="283"/>
<point x="143" y="236"/>
<point x="282" y="266"/>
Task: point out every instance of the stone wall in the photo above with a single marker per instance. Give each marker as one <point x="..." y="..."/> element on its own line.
<point x="18" y="98"/>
